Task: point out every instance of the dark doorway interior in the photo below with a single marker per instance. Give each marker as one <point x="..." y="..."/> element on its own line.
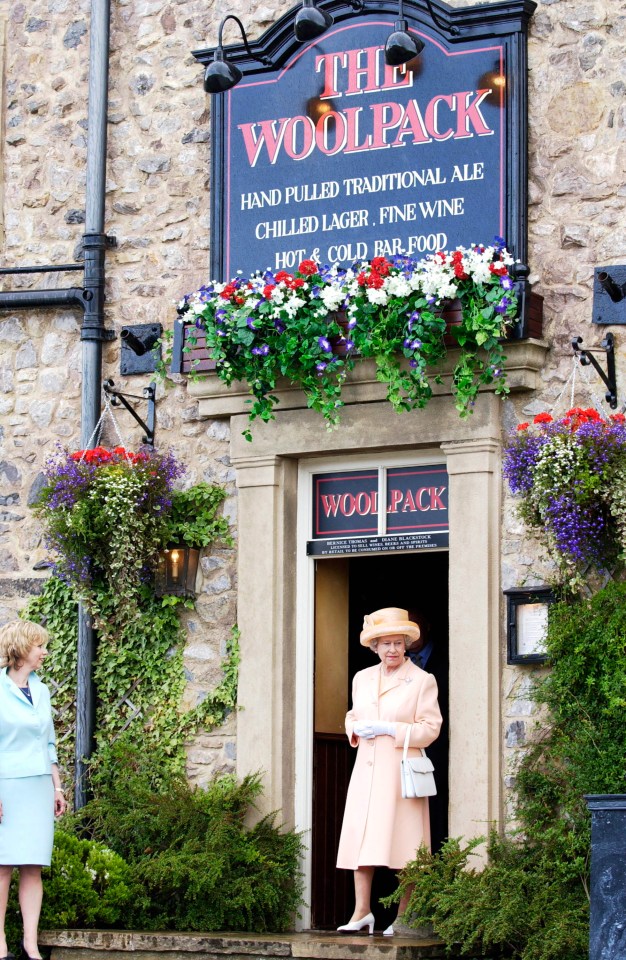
<point x="418" y="582"/>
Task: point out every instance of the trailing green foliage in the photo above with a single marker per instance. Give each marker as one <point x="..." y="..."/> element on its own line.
<point x="199" y="865"/>
<point x="193" y="516"/>
<point x="531" y="900"/>
<point x="139" y="678"/>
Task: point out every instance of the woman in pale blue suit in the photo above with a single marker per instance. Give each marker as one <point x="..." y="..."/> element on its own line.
<point x="30" y="786"/>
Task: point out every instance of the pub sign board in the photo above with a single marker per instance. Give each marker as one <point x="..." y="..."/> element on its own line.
<point x="346" y="514"/>
<point x="332" y="154"/>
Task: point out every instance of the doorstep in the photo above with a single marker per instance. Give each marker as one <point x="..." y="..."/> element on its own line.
<point x="117" y="944"/>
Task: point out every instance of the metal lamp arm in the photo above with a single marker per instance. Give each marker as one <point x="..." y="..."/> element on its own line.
<point x="231" y="16"/>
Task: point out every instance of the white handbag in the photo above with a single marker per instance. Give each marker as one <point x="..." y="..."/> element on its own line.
<point x="416" y="773"/>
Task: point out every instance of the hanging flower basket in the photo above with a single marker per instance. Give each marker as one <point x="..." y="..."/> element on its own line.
<point x="310" y="326"/>
<point x="569" y="476"/>
<point x="104" y="513"/>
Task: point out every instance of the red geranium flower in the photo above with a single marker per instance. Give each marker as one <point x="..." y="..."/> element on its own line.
<point x="308" y="268"/>
<point x="381" y="266"/>
<point x="267" y="290"/>
<point x="283" y="275"/>
<point x="542" y="418"/>
<point x="523" y="426"/>
<point x="500" y="269"/>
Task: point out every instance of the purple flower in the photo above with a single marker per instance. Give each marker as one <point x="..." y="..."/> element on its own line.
<point x="320" y="367"/>
<point x="280" y="326"/>
<point x="324" y="344"/>
<point x="503" y="306"/>
<point x="261" y="351"/>
<point x="413" y="363"/>
<point x="351" y="324"/>
<point x="506" y="283"/>
<point x="250" y="323"/>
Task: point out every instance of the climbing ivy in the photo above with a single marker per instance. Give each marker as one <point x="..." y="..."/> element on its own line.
<point x="139" y="677"/>
<point x="139" y="670"/>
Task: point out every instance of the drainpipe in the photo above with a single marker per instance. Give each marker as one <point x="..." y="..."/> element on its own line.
<point x="92" y="335"/>
<point x="91" y="300"/>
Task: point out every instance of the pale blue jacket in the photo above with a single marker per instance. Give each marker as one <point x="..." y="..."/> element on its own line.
<point x="26" y="731"/>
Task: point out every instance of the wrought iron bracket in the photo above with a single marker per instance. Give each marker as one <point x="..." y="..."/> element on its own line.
<point x="149" y="394"/>
<point x="586" y="357"/>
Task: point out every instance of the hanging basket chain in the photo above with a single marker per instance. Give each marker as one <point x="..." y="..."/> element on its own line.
<point x="571" y="383"/>
<point x="107" y="412"/>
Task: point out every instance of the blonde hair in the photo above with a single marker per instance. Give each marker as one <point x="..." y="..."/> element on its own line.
<point x="17" y="639"/>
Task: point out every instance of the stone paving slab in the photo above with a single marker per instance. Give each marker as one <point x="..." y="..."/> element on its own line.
<point x="117" y="944"/>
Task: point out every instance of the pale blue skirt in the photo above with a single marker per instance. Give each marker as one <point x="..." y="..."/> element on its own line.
<point x="27" y="827"/>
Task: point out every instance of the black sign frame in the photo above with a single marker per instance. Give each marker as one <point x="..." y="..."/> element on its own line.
<point x="505" y="21"/>
<point x="517" y="598"/>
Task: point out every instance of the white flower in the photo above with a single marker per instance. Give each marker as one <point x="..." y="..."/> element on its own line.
<point x="377" y="296"/>
<point x="397" y="286"/>
<point x="332" y="297"/>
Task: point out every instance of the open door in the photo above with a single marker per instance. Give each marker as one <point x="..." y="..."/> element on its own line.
<point x="345" y="590"/>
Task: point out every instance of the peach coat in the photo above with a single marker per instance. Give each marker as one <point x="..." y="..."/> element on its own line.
<point x="380" y="827"/>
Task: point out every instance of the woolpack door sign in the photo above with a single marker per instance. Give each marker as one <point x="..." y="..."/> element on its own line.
<point x="333" y="154"/>
<point x="347" y="518"/>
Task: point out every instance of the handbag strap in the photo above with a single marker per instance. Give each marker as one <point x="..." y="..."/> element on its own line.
<point x="407" y="737"/>
<point x="406" y="741"/>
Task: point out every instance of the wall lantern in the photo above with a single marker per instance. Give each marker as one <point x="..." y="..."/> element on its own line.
<point x="221" y="75"/>
<point x="176" y="572"/>
<point x="527" y="623"/>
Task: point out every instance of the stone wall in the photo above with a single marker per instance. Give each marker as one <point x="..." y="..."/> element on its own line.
<point x="158" y="209"/>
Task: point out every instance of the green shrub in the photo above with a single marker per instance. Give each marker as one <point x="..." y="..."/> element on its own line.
<point x="531" y="901"/>
<point x="200" y="865"/>
<point x="87" y="885"/>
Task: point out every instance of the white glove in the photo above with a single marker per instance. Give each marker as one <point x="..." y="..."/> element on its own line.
<point x="382" y="728"/>
<point x="367" y="729"/>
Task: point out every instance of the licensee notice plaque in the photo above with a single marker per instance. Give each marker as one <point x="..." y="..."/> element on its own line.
<point x="350" y="545"/>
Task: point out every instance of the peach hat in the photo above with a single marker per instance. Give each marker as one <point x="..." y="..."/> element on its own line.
<point x="386" y="623"/>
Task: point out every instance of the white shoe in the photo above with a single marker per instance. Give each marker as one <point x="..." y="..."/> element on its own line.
<point x="389" y="932"/>
<point x="356" y="925"/>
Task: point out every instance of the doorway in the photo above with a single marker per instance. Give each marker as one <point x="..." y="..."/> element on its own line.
<point x="347" y="588"/>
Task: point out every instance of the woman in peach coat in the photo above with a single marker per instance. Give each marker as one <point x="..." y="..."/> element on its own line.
<point x="380" y="827"/>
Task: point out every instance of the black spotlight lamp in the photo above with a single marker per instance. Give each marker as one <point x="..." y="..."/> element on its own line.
<point x="311" y="22"/>
<point x="221" y="74"/>
<point x="401" y="46"/>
